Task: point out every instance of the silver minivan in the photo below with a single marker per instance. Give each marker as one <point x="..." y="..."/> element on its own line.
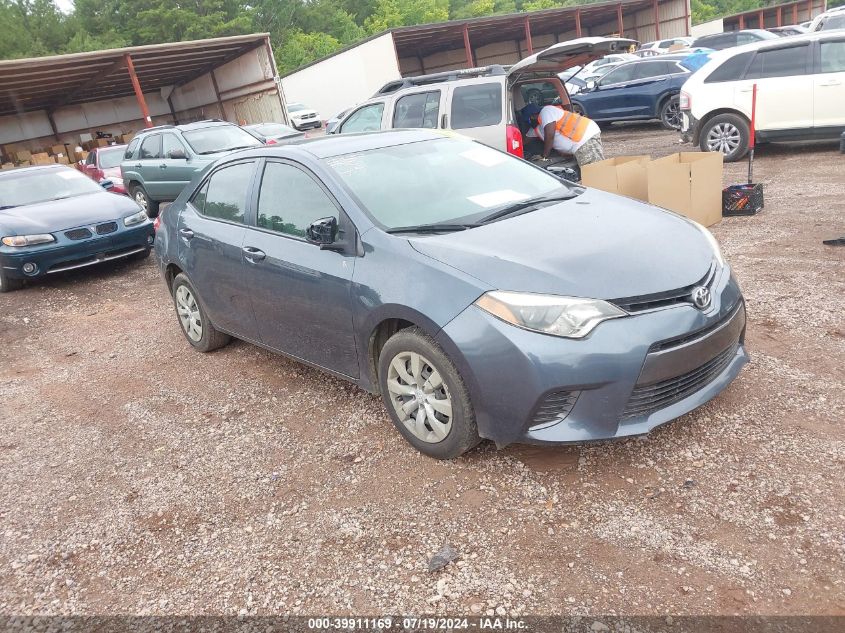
<point x="483" y="103"/>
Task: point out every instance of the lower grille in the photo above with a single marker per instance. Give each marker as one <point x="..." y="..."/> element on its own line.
<point x="647" y="399"/>
<point x="78" y="234"/>
<point x="106" y="227"/>
<point x="554" y="408"/>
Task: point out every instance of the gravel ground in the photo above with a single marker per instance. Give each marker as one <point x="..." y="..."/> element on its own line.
<point x="141" y="477"/>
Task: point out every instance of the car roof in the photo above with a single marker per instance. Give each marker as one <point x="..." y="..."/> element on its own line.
<point x="187" y="127"/>
<point x="28" y="169"/>
<point x="340" y="144"/>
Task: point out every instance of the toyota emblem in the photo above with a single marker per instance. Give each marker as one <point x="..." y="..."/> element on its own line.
<point x="701" y="297"/>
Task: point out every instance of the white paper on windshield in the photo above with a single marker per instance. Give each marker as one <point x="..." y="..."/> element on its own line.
<point x="484" y="156"/>
<point x="69" y="174"/>
<point x="495" y="198"/>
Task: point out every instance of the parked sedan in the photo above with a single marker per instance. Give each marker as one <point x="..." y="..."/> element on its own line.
<point x="272" y="133"/>
<point x="416" y="265"/>
<point x="53" y="218"/>
<point x="640" y="90"/>
<point x="103" y="163"/>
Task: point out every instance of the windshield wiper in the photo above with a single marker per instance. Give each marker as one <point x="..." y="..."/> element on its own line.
<point x="525" y="205"/>
<point x="431" y="228"/>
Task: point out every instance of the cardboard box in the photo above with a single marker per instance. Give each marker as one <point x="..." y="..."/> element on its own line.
<point x="7" y="166"/>
<point x="623" y="175"/>
<point x="55" y="150"/>
<point x="689" y="183"/>
<point x="85" y="137"/>
<point x="21" y="155"/>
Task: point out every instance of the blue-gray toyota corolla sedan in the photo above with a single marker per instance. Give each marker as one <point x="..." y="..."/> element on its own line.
<point x="481" y="296"/>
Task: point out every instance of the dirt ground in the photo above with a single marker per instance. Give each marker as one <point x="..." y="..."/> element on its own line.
<point x="141" y="477"/>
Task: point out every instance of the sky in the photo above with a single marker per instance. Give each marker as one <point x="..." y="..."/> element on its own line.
<point x="65" y="6"/>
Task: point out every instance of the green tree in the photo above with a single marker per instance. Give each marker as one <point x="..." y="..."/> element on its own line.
<point x="300" y="48"/>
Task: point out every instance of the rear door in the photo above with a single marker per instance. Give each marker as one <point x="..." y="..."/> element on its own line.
<point x="210" y="235"/>
<point x="477" y="109"/>
<point x="784" y="88"/>
<point x="175" y="172"/>
<point x="829" y="84"/>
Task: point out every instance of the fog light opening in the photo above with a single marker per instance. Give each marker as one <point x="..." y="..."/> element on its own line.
<point x="30" y="268"/>
<point x="150" y="240"/>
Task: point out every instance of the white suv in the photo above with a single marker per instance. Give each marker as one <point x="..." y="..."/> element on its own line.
<point x="482" y="103"/>
<point x="800" y="93"/>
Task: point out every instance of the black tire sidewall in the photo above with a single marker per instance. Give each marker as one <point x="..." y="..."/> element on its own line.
<point x="463" y="435"/>
<point x="206" y="342"/>
<point x="744" y="135"/>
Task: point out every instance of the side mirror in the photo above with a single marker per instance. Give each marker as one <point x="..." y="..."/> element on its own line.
<point x="177" y="153"/>
<point x="108" y="185"/>
<point x="592" y="85"/>
<point x="323" y="232"/>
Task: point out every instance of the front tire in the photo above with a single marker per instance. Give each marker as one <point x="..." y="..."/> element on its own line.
<point x="577" y="109"/>
<point x="8" y="284"/>
<point x="725" y="133"/>
<point x="670" y="113"/>
<point x="142" y="198"/>
<point x="193" y="320"/>
<point x="425" y="396"/>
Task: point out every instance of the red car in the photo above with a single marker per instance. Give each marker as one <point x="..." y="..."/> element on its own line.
<point x="103" y="163"/>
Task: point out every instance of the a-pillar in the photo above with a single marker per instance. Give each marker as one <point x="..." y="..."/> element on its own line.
<point x="136" y="85"/>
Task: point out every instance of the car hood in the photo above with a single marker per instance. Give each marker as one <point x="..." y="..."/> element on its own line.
<point x="597" y="245"/>
<point x="59" y="215"/>
<point x="577" y="52"/>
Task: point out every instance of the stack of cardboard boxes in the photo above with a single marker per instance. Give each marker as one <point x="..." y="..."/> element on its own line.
<point x="16" y="155"/>
<point x="688" y="183"/>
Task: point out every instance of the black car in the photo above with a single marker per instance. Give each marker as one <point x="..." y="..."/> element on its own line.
<point x="729" y="39"/>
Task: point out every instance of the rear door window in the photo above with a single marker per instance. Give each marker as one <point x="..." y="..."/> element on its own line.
<point x="650" y="69"/>
<point x="619" y="75"/>
<point x="224" y="196"/>
<point x="151" y="147"/>
<point x="781" y="62"/>
<point x="833" y="57"/>
<point x="476" y="106"/>
<point x="417" y="110"/>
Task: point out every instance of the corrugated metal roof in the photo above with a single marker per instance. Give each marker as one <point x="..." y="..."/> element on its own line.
<point x="45" y="83"/>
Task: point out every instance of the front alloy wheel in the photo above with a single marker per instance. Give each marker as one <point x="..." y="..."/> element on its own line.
<point x="419" y="397"/>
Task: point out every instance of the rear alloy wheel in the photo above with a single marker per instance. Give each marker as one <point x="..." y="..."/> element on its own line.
<point x="425" y="396"/>
<point x="140" y="196"/>
<point x="192" y="317"/>
<point x="670" y="113"/>
<point x="725" y="133"/>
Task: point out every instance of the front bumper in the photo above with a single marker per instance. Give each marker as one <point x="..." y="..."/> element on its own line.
<point x="689" y="127"/>
<point x="629" y="376"/>
<point x="308" y="124"/>
<point x="67" y="254"/>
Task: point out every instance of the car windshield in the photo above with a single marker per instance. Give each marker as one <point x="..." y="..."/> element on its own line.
<point x="834" y="22"/>
<point x="220" y="138"/>
<point x="274" y="129"/>
<point x="42" y="185"/>
<point x="295" y="107"/>
<point x="110" y="158"/>
<point x="439" y="181"/>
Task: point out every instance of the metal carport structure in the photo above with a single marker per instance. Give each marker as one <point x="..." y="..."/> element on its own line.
<point x="63" y="95"/>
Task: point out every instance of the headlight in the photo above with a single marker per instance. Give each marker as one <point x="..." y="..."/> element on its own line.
<point x="570" y="317"/>
<point x="135" y="218"/>
<point x="717" y="252"/>
<point x="28" y="240"/>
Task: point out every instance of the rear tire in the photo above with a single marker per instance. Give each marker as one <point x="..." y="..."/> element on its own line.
<point x="193" y="319"/>
<point x="8" y="284"/>
<point x="142" y="198"/>
<point x="425" y="396"/>
<point x="670" y="113"/>
<point x="577" y="109"/>
<point x="725" y="133"/>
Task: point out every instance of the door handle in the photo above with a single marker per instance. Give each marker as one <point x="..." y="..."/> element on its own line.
<point x="253" y="254"/>
<point x="138" y="165"/>
<point x="186" y="233"/>
<point x="832" y="82"/>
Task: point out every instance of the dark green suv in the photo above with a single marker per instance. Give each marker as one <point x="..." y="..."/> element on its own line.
<point x="161" y="160"/>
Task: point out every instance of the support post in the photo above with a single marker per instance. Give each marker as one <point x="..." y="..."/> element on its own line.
<point x="656" y="19"/>
<point x="809" y="9"/>
<point x="468" y="48"/>
<point x="795" y="13"/>
<point x="53" y="124"/>
<point x="217" y="95"/>
<point x="518" y="48"/>
<point x="620" y="24"/>
<point x="136" y="85"/>
<point x="422" y="65"/>
<point x="578" y="22"/>
<point x="780" y="15"/>
<point x="761" y="19"/>
<point x="528" y="43"/>
<point x="172" y="109"/>
<point x="278" y="81"/>
<point x="741" y="22"/>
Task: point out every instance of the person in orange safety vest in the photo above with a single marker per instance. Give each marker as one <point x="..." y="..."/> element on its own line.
<point x="568" y="133"/>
